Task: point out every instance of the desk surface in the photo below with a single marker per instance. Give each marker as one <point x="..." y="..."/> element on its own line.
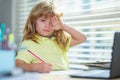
<point x="59" y="75"/>
<point x="64" y="75"/>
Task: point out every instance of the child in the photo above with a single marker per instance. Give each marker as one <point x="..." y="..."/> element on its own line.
<point x="44" y="34"/>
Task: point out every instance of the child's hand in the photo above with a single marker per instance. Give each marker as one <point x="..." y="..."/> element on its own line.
<point x="57" y="23"/>
<point x="42" y="67"/>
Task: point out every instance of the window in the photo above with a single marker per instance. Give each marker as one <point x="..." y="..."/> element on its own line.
<point x="98" y="19"/>
<point x="23" y="8"/>
<point x="86" y="4"/>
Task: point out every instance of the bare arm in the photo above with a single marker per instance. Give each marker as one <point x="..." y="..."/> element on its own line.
<point x="77" y="36"/>
<point x="35" y="67"/>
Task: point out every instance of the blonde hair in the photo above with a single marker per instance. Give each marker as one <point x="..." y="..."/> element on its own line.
<point x="46" y="9"/>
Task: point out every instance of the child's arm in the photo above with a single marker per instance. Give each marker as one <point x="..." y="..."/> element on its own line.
<point x="35" y="67"/>
<point x="77" y="36"/>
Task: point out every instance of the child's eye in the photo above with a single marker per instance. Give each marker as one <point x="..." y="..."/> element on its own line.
<point x="43" y="20"/>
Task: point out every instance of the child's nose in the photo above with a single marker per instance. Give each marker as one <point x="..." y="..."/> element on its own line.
<point x="48" y="24"/>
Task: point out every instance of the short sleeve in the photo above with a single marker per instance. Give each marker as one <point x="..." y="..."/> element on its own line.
<point x="68" y="43"/>
<point x="23" y="53"/>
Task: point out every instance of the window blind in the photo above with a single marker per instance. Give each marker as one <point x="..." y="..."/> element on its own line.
<point x="98" y="19"/>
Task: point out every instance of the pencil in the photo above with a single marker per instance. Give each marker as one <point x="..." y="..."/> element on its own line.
<point x="35" y="55"/>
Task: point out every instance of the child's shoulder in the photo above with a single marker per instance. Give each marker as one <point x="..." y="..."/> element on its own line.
<point x="27" y="42"/>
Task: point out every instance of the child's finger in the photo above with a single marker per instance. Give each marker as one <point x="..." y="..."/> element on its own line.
<point x="55" y="18"/>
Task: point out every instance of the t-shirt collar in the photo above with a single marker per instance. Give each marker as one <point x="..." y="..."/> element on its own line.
<point x="42" y="38"/>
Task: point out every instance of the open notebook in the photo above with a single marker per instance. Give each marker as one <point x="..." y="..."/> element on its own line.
<point x="103" y="65"/>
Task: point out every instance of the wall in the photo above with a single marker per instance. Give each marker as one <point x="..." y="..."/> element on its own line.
<point x="6" y="12"/>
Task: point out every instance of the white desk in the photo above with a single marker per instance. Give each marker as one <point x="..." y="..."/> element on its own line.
<point x="59" y="75"/>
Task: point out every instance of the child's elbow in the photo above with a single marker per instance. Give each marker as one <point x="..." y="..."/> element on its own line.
<point x="83" y="39"/>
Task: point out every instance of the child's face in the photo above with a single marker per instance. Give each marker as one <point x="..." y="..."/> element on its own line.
<point x="44" y="26"/>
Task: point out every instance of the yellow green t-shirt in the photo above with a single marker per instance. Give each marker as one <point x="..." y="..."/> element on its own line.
<point x="47" y="49"/>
